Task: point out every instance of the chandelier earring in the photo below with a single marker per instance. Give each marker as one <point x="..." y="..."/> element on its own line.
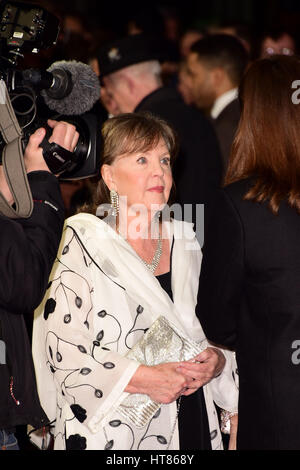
<point x="114" y="201"/>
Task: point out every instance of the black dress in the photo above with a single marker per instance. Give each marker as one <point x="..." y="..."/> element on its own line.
<point x="192" y="418"/>
<point x="249" y="300"/>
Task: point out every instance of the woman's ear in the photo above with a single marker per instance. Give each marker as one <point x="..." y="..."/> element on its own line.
<point x="107" y="176"/>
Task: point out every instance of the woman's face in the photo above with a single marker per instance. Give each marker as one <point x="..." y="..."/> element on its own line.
<point x="144" y="177"/>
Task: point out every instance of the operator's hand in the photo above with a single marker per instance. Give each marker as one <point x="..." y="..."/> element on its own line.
<point x="63" y="134"/>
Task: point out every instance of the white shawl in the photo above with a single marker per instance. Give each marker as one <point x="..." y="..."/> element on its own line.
<point x="98" y="271"/>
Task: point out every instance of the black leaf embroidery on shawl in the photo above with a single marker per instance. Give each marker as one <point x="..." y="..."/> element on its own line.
<point x="102" y="314"/>
<point x="90" y="257"/>
<point x="109" y="365"/>
<point x="100" y="335"/>
<point x="109" y="445"/>
<point x="79" y="412"/>
<point x="65" y="250"/>
<point x="115" y="423"/>
<point x="49" y="308"/>
<point x="76" y="442"/>
<point x="98" y="393"/>
<point x="162" y="440"/>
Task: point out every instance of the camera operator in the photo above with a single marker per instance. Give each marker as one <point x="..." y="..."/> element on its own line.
<point x="27" y="251"/>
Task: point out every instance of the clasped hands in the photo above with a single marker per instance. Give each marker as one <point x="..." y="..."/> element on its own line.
<point x="165" y="383"/>
<point x="201" y="369"/>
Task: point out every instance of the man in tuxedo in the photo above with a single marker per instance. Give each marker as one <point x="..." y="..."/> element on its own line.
<point x="131" y="82"/>
<point x="216" y="64"/>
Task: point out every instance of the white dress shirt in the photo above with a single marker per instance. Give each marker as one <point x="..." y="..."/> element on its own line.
<point x="223" y="101"/>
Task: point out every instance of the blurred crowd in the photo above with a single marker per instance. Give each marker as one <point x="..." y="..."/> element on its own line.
<point x="205" y="73"/>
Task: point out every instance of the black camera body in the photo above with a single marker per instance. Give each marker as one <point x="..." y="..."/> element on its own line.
<point x="27" y="28"/>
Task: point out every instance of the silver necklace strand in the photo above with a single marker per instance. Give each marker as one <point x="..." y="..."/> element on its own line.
<point x="157" y="255"/>
<point x="175" y="422"/>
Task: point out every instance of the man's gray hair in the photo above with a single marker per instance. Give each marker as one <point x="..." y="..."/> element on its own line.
<point x="143" y="70"/>
<point x="151" y="67"/>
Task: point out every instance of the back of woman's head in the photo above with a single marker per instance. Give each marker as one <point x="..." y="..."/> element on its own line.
<point x="267" y="143"/>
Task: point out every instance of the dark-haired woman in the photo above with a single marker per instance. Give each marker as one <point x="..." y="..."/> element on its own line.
<point x="113" y="279"/>
<point x="249" y="295"/>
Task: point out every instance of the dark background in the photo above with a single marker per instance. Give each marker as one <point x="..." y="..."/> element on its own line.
<point x="259" y="13"/>
<point x="106" y="19"/>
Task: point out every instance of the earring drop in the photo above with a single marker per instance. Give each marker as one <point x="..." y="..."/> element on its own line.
<point x="114" y="201"/>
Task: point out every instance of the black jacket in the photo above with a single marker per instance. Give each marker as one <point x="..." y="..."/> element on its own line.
<point x="27" y="251"/>
<point x="249" y="300"/>
<point x="198" y="169"/>
<point x="226" y="125"/>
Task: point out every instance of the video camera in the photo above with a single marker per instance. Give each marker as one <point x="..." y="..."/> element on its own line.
<point x="70" y="89"/>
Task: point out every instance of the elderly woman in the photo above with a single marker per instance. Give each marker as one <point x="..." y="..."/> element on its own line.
<point x="249" y="295"/>
<point x="114" y="277"/>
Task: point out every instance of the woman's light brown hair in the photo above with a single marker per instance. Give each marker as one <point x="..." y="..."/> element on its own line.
<point x="267" y="144"/>
<point x="127" y="134"/>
